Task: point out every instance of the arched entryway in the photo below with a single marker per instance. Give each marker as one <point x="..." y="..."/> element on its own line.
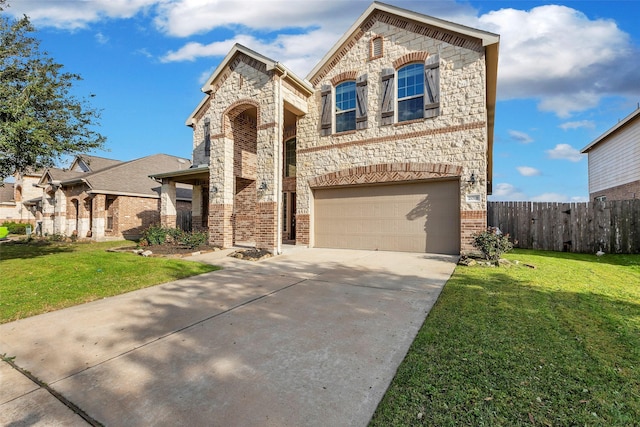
<point x="243" y="131"/>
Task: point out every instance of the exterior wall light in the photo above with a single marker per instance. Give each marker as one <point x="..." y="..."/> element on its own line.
<point x="472" y="179"/>
<point x="214" y="189"/>
<point x="263" y="186"/>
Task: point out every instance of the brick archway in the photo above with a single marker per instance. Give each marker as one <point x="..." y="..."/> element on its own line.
<point x="386" y="172"/>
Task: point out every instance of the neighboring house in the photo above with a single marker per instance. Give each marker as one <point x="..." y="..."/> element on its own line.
<point x="105" y="199"/>
<point x="614" y="161"/>
<point x="18" y="200"/>
<point x="386" y="145"/>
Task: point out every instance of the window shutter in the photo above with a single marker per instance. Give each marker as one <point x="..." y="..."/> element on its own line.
<point x="361" y="102"/>
<point x="325" y="111"/>
<point x="432" y="86"/>
<point x="388" y="103"/>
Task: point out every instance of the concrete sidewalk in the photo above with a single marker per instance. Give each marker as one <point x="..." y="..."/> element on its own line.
<point x="310" y="337"/>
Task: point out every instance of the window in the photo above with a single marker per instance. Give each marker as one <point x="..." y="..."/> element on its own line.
<point x="207" y="137"/>
<point x="411" y="92"/>
<point x="290" y="158"/>
<point x="346" y="106"/>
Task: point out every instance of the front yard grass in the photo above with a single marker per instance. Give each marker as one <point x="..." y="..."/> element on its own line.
<point x="46" y="276"/>
<point x="557" y="345"/>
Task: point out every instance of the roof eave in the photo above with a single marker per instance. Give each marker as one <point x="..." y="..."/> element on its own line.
<point x="617" y="126"/>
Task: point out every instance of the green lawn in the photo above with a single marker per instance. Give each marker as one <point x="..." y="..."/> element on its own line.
<point x="36" y="278"/>
<point x="558" y="345"/>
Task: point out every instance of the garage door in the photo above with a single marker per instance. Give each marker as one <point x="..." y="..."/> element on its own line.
<point x="416" y="217"/>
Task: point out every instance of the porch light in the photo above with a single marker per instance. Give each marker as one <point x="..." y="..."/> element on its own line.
<point x="263" y="186"/>
<point x="214" y="189"/>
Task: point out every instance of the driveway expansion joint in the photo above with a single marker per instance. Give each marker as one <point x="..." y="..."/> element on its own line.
<point x="66" y="402"/>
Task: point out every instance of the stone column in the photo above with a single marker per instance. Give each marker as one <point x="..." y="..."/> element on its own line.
<point x="99" y="217"/>
<point x="168" y="204"/>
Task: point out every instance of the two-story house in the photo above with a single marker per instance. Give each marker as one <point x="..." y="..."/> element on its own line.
<point x="385" y="145"/>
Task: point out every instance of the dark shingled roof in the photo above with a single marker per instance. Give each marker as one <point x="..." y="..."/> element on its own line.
<point x="132" y="177"/>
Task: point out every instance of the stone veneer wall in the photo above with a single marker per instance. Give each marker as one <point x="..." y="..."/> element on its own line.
<point x="458" y="136"/>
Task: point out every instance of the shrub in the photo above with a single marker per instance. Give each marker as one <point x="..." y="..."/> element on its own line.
<point x="16" y="227"/>
<point x="492" y="243"/>
<point x="156" y="235"/>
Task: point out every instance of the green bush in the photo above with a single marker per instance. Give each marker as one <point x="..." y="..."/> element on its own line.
<point x="156" y="235"/>
<point x="492" y="243"/>
<point x="16" y="227"/>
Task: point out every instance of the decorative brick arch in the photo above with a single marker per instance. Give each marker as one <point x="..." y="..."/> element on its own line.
<point x="410" y="57"/>
<point x="235" y="109"/>
<point x="346" y="75"/>
<point x="386" y="172"/>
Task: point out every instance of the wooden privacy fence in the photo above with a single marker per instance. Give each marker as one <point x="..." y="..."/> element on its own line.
<point x="183" y="220"/>
<point x="611" y="226"/>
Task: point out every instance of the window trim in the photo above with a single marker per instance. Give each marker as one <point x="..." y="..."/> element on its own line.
<point x="336" y="113"/>
<point x="399" y="99"/>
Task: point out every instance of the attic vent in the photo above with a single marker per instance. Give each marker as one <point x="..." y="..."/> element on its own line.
<point x="375" y="48"/>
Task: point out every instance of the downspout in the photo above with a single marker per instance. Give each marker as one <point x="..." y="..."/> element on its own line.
<point x="279" y="168"/>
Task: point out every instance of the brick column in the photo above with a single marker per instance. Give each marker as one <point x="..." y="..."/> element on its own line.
<point x="196" y="208"/>
<point x="220" y="225"/>
<point x="266" y="225"/>
<point x="471" y="222"/>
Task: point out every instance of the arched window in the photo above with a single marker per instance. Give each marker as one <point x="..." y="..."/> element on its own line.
<point x="346" y="106"/>
<point x="411" y="92"/>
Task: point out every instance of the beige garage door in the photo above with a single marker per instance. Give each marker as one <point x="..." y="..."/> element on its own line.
<point x="417" y="217"/>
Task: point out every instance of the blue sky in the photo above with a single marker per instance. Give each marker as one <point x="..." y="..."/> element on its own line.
<point x="568" y="71"/>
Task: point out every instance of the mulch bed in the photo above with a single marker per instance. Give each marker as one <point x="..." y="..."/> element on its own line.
<point x="251" y="254"/>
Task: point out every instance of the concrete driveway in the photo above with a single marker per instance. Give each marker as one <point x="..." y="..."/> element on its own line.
<point x="312" y="337"/>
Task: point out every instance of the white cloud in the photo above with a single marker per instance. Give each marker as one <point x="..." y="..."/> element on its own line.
<point x="577" y="125"/>
<point x="506" y="192"/>
<point x="299" y="52"/>
<point x="72" y="15"/>
<point x="560" y="56"/>
<point x="101" y="38"/>
<point x="550" y="197"/>
<point x="520" y="137"/>
<point x="565" y="152"/>
<point x="558" y="198"/>
<point x="528" y="171"/>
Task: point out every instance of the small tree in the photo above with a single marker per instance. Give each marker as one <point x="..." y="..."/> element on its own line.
<point x="40" y="121"/>
<point x="492" y="243"/>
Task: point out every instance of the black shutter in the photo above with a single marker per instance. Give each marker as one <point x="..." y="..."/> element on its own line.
<point x="361" y="102"/>
<point x="207" y="137"/>
<point x="325" y="111"/>
<point x="388" y="99"/>
<point x="432" y="86"/>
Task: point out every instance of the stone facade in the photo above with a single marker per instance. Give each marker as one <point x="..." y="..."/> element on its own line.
<point x="253" y="103"/>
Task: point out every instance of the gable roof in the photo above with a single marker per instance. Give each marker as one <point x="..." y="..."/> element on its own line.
<point x="129" y="178"/>
<point x="486" y="38"/>
<point x="622" y="123"/>
<point x="269" y="63"/>
<point x="93" y="163"/>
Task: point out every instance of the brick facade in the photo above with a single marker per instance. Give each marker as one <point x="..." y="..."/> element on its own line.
<point x="627" y="191"/>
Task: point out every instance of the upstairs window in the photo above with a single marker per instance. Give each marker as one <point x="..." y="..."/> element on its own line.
<point x="207" y="137"/>
<point x="346" y="106"/>
<point x="410" y="92"/>
<point x="290" y="158"/>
